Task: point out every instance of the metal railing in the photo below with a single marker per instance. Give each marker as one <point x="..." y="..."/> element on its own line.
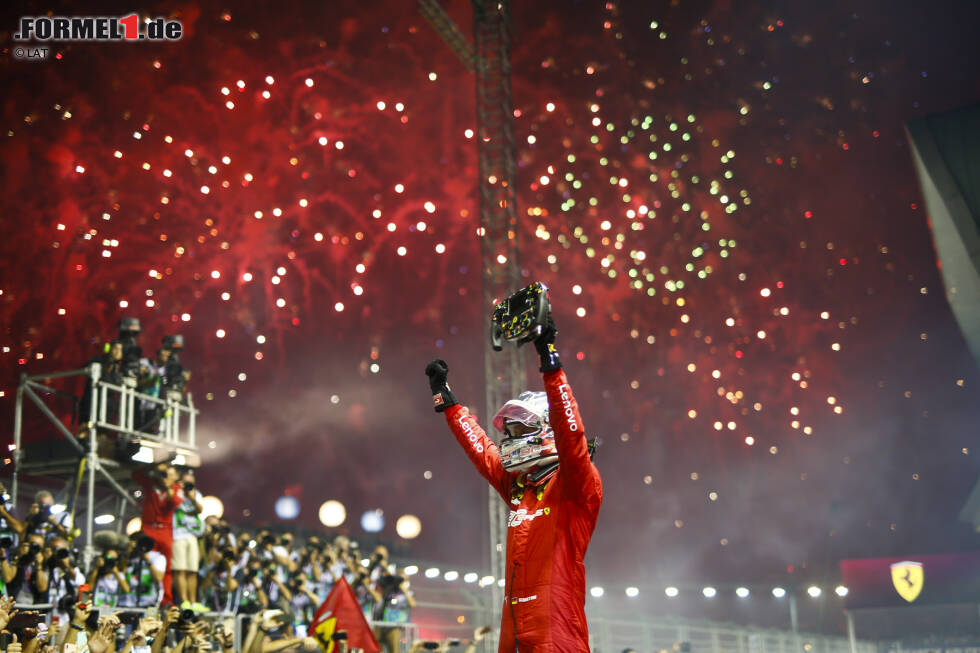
<point x="110" y="408"/>
<point x="611" y="636"/>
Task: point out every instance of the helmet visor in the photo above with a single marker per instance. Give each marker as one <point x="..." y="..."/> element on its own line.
<point x="519" y="411"/>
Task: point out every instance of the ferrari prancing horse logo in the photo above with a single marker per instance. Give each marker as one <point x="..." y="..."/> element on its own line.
<point x="908" y="578"/>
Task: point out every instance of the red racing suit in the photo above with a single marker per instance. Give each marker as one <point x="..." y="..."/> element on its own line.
<point x="548" y="530"/>
<point x="157" y="522"/>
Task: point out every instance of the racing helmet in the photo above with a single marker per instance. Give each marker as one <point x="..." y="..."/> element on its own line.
<point x="528" y="440"/>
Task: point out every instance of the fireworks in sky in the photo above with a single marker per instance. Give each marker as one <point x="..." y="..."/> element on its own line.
<point x="720" y="199"/>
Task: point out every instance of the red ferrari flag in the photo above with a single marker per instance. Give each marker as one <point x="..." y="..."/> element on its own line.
<point x="341" y="611"/>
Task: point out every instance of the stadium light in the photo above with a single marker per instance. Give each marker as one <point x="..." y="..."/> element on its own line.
<point x="500" y="582"/>
<point x="212" y="507"/>
<point x="332" y="513"/>
<point x="632" y="592"/>
<point x="709" y="592"/>
<point x="450" y="576"/>
<point x="841" y="591"/>
<point x="411" y="570"/>
<point x="135" y="525"/>
<point x="287" y="507"/>
<point x="373" y="521"/>
<point x="742" y="592"/>
<point x="813" y="591"/>
<point x="486" y="580"/>
<point x="471" y="577"/>
<point x="671" y="591"/>
<point x="778" y="592"/>
<point x="432" y="572"/>
<point x="597" y="591"/>
<point x="408" y="527"/>
<point x="102" y="520"/>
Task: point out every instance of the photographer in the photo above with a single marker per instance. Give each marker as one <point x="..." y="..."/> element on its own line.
<point x="145" y="569"/>
<point x="273" y="585"/>
<point x="222" y="580"/>
<point x="269" y="548"/>
<point x="113" y="365"/>
<point x="174" y="377"/>
<point x="161" y="497"/>
<point x="65" y="580"/>
<point x="394" y="607"/>
<point x="217" y="537"/>
<point x="304" y="601"/>
<point x="107" y="579"/>
<point x="188" y="527"/>
<point x="40" y="519"/>
<point x="343" y="556"/>
<point x="150" y="382"/>
<point x="379" y="563"/>
<point x="10" y="527"/>
<point x="251" y="593"/>
<point x="26" y="575"/>
<point x="365" y="593"/>
<point x="316" y="567"/>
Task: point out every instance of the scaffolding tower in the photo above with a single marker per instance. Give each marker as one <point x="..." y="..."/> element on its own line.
<point x="81" y="459"/>
<point x="490" y="61"/>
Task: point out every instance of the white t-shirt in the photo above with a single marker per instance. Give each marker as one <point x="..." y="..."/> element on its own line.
<point x="58" y="587"/>
<point x="187" y="522"/>
<point x="106" y="590"/>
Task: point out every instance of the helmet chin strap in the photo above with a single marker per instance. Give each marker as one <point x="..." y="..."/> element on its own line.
<point x="538" y="475"/>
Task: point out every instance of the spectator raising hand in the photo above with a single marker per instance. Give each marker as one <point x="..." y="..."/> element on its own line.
<point x="105" y="635"/>
<point x="6" y="610"/>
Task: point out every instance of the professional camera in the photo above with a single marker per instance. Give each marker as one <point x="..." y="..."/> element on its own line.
<point x="521" y="316"/>
<point x="268" y="538"/>
<point x="228" y="553"/>
<point x="129" y="331"/>
<point x="144" y="544"/>
<point x="390" y="582"/>
<point x="186" y="618"/>
<point x="58" y="556"/>
<point x="67" y="602"/>
<point x="42" y="515"/>
<point x="32" y="550"/>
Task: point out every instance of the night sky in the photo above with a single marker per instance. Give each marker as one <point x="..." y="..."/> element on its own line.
<point x="719" y="194"/>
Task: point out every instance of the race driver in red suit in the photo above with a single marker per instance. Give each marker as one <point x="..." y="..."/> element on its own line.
<point x="544" y="472"/>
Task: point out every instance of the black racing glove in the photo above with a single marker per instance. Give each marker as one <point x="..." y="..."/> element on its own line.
<point x="545" y="344"/>
<point x="442" y="396"/>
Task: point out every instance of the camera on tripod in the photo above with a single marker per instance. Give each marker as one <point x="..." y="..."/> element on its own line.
<point x="129" y="331"/>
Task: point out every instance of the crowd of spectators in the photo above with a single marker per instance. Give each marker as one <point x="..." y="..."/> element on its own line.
<point x="182" y="569"/>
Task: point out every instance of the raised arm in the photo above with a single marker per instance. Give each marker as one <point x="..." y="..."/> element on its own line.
<point x="479" y="448"/>
<point x="579" y="476"/>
